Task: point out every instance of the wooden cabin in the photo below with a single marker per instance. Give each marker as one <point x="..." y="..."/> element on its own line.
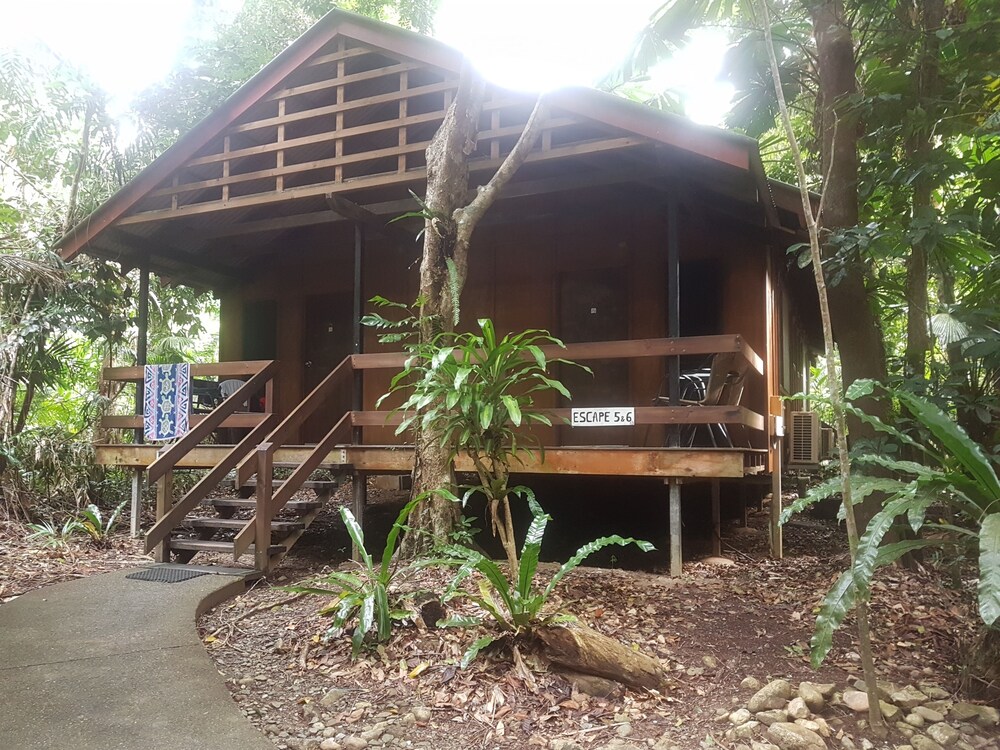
<point x="649" y="244"/>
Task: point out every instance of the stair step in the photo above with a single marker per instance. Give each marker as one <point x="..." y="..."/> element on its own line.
<point x="298" y="506"/>
<point x="318" y="485"/>
<point x="235" y="524"/>
<point x="200" y="545"/>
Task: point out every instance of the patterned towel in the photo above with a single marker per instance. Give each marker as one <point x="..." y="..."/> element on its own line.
<point x="166" y="401"/>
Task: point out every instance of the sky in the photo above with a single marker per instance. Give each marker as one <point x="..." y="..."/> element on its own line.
<point x="533" y="45"/>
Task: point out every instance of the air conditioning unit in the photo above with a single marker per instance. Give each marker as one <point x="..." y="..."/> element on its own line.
<point x="803" y="438"/>
<point x="828" y="443"/>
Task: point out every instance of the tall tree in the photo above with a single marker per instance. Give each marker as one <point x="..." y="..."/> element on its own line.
<point x="450" y="219"/>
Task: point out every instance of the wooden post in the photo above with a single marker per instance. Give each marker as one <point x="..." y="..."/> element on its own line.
<point x="164" y="501"/>
<point x="141" y="356"/>
<point x="716" y="518"/>
<point x="673" y="310"/>
<point x="777" y="543"/>
<point x="262" y="528"/>
<point x="359" y="486"/>
<point x="676" y="559"/>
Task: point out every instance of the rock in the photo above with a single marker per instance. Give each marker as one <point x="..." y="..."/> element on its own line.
<point x="812" y="697"/>
<point x="742" y="716"/>
<point x="812" y="726"/>
<point x="942" y="707"/>
<point x="907" y="698"/>
<point x="723" y="562"/>
<point x="798" y="709"/>
<point x="758" y="745"/>
<point x="934" y="692"/>
<point x="944" y="734"/>
<point x="771" y="717"/>
<point x="563" y="744"/>
<point x="750" y="684"/>
<point x="905" y="729"/>
<point x="421" y="713"/>
<point x="964" y="711"/>
<point x="774" y="694"/>
<point x="597" y="687"/>
<point x="847" y="743"/>
<point x="914" y="720"/>
<point x="824" y="729"/>
<point x="333" y="696"/>
<point x="929" y="714"/>
<point x="330" y="744"/>
<point x="856" y="700"/>
<point x="988" y="716"/>
<point x="710" y="661"/>
<point x="793" y="737"/>
<point x="354" y="743"/>
<point x="920" y="742"/>
<point x="745" y="731"/>
<point x="890" y="712"/>
<point x="624" y="730"/>
<point x="904" y="747"/>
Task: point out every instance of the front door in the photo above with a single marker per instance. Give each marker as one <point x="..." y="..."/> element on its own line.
<point x="328" y="339"/>
<point x="593" y="306"/>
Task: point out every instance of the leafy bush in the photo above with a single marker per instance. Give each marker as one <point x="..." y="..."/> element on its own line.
<point x="516" y="604"/>
<point x="92" y="522"/>
<point x="364" y="595"/>
<point x="954" y="472"/>
<point x="477" y="391"/>
<point x="52" y="536"/>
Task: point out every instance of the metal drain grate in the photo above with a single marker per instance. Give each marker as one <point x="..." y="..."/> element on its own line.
<point x="165" y="575"/>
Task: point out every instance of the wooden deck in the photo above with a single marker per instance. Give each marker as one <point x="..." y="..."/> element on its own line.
<point x="693" y="463"/>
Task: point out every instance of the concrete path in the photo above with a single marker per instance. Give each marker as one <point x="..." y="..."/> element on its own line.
<point x="111" y="663"/>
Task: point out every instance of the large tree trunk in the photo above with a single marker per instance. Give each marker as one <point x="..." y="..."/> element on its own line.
<point x="918" y="340"/>
<point x="856" y="326"/>
<point x="448" y="229"/>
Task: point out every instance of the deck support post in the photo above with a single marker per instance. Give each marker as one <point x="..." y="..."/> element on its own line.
<point x="676" y="558"/>
<point x="359" y="500"/>
<point x="141" y="355"/>
<point x="262" y="528"/>
<point x="777" y="542"/>
<point x="716" y="518"/>
<point x="358" y="385"/>
<point x="164" y="502"/>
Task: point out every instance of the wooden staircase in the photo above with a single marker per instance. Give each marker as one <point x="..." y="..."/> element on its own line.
<point x="203" y="532"/>
<point x="267" y="516"/>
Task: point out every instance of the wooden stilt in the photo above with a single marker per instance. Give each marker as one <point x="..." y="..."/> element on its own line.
<point x="777" y="543"/>
<point x="164" y="501"/>
<point x="716" y="518"/>
<point x="137" y="475"/>
<point x="262" y="531"/>
<point x="676" y="559"/>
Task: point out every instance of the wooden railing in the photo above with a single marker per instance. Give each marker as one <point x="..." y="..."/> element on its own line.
<point x="169" y="514"/>
<point x="257" y="530"/>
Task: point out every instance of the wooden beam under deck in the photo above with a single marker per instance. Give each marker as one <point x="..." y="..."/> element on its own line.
<point x="584" y="461"/>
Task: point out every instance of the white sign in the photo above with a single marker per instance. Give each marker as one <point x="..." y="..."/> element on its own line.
<point x="611" y="416"/>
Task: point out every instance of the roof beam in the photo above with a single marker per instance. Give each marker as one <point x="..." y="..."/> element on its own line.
<point x="361" y="215"/>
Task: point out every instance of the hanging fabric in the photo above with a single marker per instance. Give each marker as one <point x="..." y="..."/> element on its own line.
<point x="166" y="401"/>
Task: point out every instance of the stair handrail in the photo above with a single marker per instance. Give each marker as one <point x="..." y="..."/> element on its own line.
<point x="305" y="409"/>
<point x="269" y="502"/>
<point x="172" y="518"/>
<point x="168" y="459"/>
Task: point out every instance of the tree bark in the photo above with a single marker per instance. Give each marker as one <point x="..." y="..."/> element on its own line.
<point x="448" y="229"/>
<point x="582" y="649"/>
<point x="856" y="327"/>
<point x="918" y="341"/>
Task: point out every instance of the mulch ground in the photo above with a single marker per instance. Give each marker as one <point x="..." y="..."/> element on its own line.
<point x="713" y="627"/>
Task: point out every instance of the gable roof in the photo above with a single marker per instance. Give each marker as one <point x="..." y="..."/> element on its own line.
<point x="137" y="201"/>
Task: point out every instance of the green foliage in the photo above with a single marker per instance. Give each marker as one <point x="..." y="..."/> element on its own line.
<point x="364" y="596"/>
<point x="52" y="536"/>
<point x="92" y="522"/>
<point x="953" y="472"/>
<point x="515" y="601"/>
